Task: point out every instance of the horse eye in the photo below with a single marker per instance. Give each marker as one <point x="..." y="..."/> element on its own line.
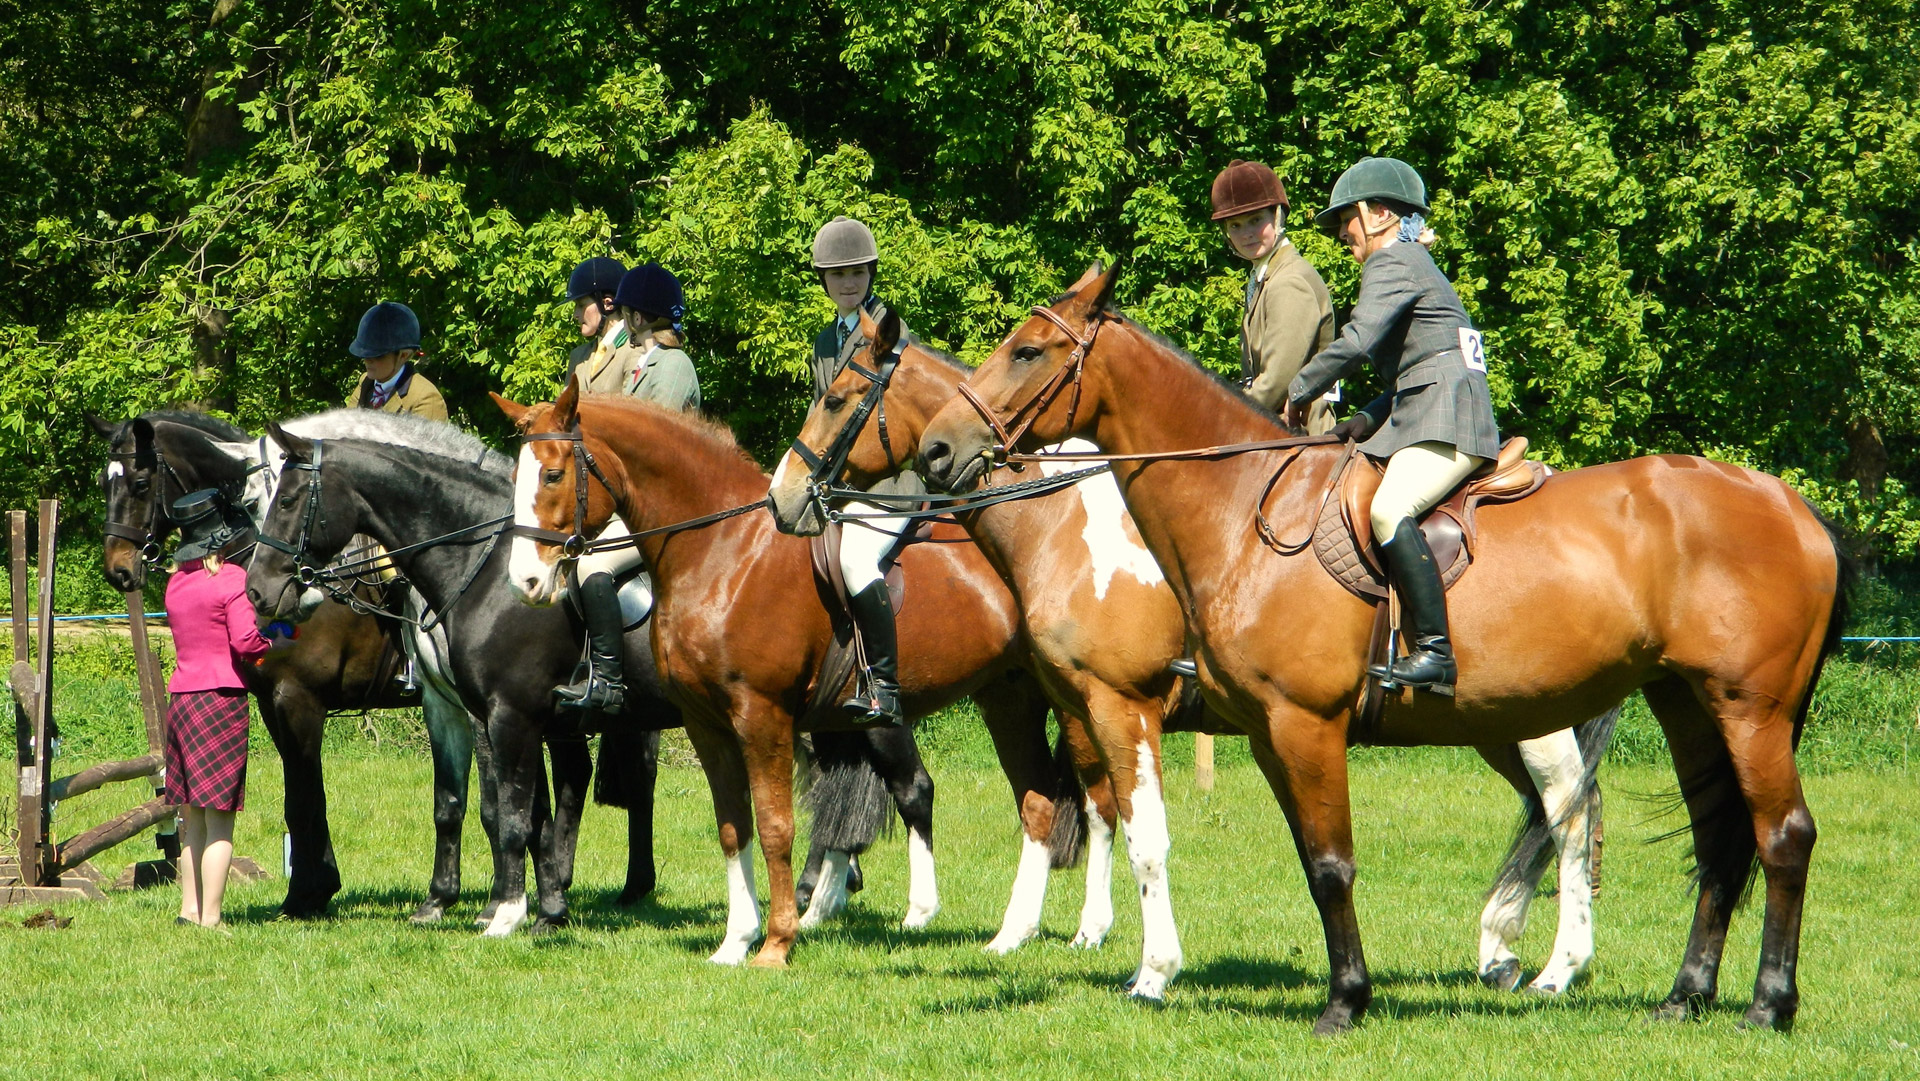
<point x="1026" y="353"/>
<point x="834" y="403"/>
<point x="554" y="476"/>
<point x="140" y="485"/>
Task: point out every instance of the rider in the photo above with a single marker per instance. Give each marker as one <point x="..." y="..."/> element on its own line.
<point x="647" y="305"/>
<point x="388" y="343"/>
<point x="590" y="288"/>
<point x="845" y="258"/>
<point x="1287" y="316"/>
<point x="1434" y="425"/>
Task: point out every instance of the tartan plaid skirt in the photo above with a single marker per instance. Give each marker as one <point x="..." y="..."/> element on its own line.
<point x="207" y="749"/>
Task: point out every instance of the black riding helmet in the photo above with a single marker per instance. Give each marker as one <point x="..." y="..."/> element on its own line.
<point x="595" y="278"/>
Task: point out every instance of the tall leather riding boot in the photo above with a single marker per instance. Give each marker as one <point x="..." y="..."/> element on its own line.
<point x="1429" y="663"/>
<point x="599" y="685"/>
<point x="878" y="698"/>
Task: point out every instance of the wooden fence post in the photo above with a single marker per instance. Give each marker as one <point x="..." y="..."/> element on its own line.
<point x="1203" y="761"/>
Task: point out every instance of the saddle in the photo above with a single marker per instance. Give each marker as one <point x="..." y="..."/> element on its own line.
<point x="848" y="651"/>
<point x="1343" y="536"/>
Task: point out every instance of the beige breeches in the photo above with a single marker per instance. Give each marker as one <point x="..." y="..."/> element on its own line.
<point x="611" y="560"/>
<point x="1417" y="479"/>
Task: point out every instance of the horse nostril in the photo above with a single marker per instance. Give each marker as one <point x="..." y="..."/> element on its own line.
<point x="937" y="455"/>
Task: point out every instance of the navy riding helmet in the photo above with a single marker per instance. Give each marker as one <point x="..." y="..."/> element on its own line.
<point x="652" y="289"/>
<point x="387" y="326"/>
<point x="595" y="277"/>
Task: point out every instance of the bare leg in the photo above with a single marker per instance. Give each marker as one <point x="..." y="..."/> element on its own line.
<point x="215" y="858"/>
<point x="193" y="839"/>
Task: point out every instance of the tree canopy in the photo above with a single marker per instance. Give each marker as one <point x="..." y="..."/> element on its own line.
<point x="1683" y="227"/>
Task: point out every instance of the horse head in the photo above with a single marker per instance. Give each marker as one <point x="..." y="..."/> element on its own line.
<point x="136" y="501"/>
<point x="1027" y="394"/>
<point x="840" y="442"/>
<point x="307" y="524"/>
<point x="549" y="500"/>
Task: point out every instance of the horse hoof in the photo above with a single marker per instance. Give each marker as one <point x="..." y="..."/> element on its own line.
<point x="1760" y="1017"/>
<point x="1086" y="939"/>
<point x="1684" y="1009"/>
<point x="1006" y="942"/>
<point x="428" y="912"/>
<point x="1333" y="1023"/>
<point x="633" y="894"/>
<point x="918" y="918"/>
<point x="1504" y="976"/>
<point x="769" y="960"/>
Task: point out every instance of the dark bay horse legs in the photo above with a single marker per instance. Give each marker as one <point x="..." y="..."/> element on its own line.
<point x="296" y="721"/>
<point x="450" y="734"/>
<point x="628" y="768"/>
<point x="555" y="839"/>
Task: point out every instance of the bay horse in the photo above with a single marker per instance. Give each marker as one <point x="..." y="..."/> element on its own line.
<point x="1104" y="625"/>
<point x="342" y="660"/>
<point x="1716" y="591"/>
<point x="741" y="630"/>
<point x="402" y="481"/>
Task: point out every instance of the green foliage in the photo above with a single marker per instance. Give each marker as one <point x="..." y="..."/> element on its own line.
<point x="1684" y="227"/>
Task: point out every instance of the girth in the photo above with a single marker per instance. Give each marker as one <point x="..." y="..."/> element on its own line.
<point x="1343" y="536"/>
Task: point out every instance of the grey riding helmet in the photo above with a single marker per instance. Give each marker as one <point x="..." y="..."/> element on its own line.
<point x="844" y="242"/>
<point x="388" y="326"/>
<point x="1374" y="178"/>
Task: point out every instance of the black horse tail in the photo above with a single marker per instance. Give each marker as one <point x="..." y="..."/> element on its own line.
<point x="1532" y="847"/>
<point x="1068" y="839"/>
<point x="845" y="795"/>
<point x="623" y="776"/>
<point x="1846" y="574"/>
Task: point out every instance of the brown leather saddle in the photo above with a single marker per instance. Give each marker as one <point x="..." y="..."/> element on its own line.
<point x="848" y="651"/>
<point x="1343" y="536"/>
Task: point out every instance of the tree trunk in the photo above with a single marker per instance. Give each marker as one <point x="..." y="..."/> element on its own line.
<point x="213" y="127"/>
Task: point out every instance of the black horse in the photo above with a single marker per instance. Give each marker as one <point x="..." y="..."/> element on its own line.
<point x="440" y="501"/>
<point x="343" y="660"/>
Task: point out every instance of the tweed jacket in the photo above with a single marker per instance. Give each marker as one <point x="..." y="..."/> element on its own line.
<point x="830" y="355"/>
<point x="414" y="394"/>
<point x="607" y="366"/>
<point x="1288" y="318"/>
<point x="665" y="376"/>
<point x="1409" y="322"/>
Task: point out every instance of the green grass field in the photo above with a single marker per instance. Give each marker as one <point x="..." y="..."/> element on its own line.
<point x="627" y="993"/>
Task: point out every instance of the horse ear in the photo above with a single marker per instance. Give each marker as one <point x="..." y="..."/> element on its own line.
<point x="1094" y="270"/>
<point x="515" y="412"/>
<point x="295" y="448"/>
<point x="1093" y="297"/>
<point x="566" y="408"/>
<point x="867" y="326"/>
<point x="143" y="455"/>
<point x="102" y="428"/>
<point x="885" y="336"/>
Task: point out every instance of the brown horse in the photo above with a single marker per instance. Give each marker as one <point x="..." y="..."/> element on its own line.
<point x="740" y="630"/>
<point x="1104" y="626"/>
<point x="1715" y="590"/>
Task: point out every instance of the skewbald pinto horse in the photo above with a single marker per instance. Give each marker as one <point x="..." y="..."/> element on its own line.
<point x="1103" y="626"/>
<point x="1716" y="591"/>
<point x="741" y="631"/>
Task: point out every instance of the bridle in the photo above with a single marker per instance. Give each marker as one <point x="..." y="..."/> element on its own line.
<point x="828" y="467"/>
<point x="328" y="578"/>
<point x="147" y="540"/>
<point x="1068" y="376"/>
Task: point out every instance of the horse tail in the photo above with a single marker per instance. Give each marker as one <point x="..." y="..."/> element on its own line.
<point x="1846" y="574"/>
<point x="846" y="795"/>
<point x="1532" y="847"/>
<point x="1067" y="839"/>
<point x="627" y="760"/>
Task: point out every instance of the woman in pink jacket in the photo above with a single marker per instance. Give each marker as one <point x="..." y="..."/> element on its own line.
<point x="214" y="633"/>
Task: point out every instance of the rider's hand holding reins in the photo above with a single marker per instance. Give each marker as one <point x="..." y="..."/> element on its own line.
<point x="1354" y="428"/>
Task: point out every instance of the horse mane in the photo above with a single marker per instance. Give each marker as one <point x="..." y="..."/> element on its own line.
<point x="1233" y="389"/>
<point x="402" y="430"/>
<point x="712" y="434"/>
<point x="945" y="357"/>
<point x="205" y="423"/>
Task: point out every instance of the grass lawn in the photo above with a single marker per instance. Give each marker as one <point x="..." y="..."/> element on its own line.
<point x="627" y="993"/>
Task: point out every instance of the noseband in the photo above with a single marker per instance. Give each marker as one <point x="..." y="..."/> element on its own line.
<point x="827" y="468"/>
<point x="1005" y="438"/>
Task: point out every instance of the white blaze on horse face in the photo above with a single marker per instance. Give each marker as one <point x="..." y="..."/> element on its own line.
<point x="780" y="473"/>
<point x="1109" y="547"/>
<point x="1096" y="915"/>
<point x="1148" y="845"/>
<point x="923" y="893"/>
<point x="1022" y="921"/>
<point x="743" y="910"/>
<point x="115" y="471"/>
<point x="531" y="574"/>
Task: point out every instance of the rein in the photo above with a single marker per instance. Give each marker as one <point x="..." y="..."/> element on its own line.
<point x="827" y="468"/>
<point x="574" y="545"/>
<point x="1023" y="418"/>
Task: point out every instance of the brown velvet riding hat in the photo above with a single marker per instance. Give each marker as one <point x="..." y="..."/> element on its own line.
<point x="1244" y="186"/>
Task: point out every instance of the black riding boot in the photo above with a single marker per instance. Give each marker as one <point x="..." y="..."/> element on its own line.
<point x="1428" y="664"/>
<point x="598" y="685"/>
<point x="878" y="698"/>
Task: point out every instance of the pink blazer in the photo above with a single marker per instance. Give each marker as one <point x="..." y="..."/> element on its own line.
<point x="213" y="627"/>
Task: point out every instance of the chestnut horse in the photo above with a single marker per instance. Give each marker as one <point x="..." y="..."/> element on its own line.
<point x="1714" y="590"/>
<point x="1104" y="625"/>
<point x="740" y="630"/>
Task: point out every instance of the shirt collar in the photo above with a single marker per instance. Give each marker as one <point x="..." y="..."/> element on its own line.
<point x="1259" y="271"/>
<point x="386" y="388"/>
